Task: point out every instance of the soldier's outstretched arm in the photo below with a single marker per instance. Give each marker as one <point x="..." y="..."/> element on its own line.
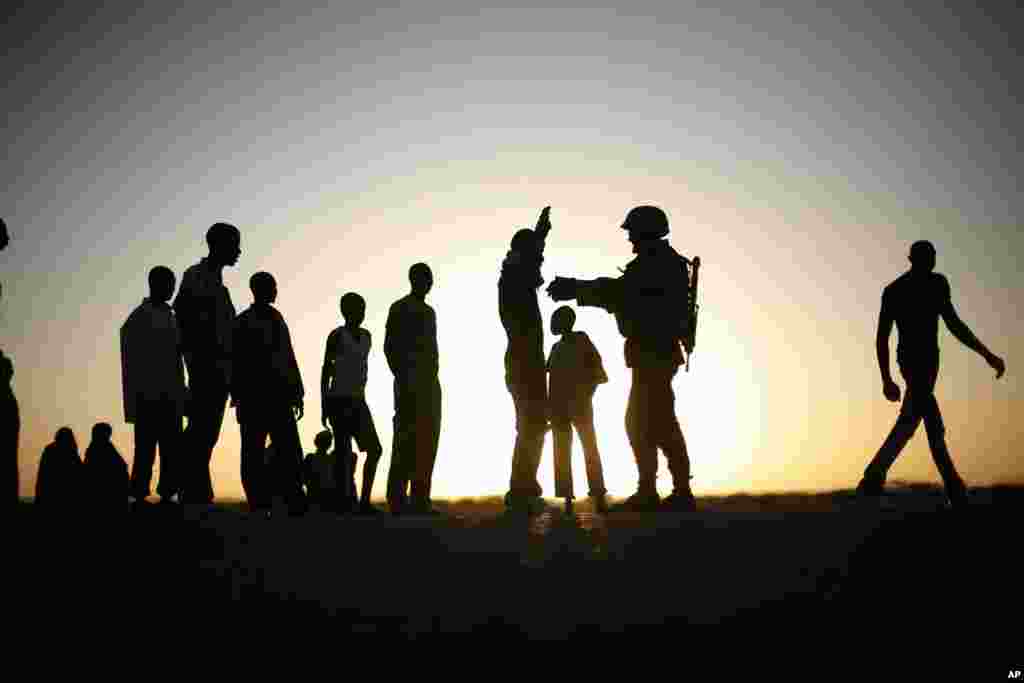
<point x="963" y="333"/>
<point x="604" y="292"/>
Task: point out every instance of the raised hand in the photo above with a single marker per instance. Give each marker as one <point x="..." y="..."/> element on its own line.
<point x="543" y="226"/>
<point x="997" y="364"/>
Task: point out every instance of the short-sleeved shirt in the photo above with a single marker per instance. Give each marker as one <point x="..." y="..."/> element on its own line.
<point x="350" y="351"/>
<point x="915" y="301"/>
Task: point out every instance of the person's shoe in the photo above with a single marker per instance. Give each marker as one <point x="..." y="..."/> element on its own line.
<point x="568" y="507"/>
<point x="638" y="502"/>
<point x="600" y="505"/>
<point x="679" y="502"/>
<point x="870" y="487"/>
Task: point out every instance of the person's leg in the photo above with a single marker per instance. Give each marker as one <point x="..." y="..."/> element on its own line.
<point x="640" y="432"/>
<point x="401" y="446"/>
<point x="254" y="432"/>
<point x="285" y="472"/>
<point x="369" y="443"/>
<point x="935" y="428"/>
<point x="428" y="425"/>
<point x="209" y="396"/>
<point x="906" y="424"/>
<point x="562" y="432"/>
<point x="146" y="437"/>
<point x="531" y="424"/>
<point x="592" y="457"/>
<point x="169" y="443"/>
<point x="338" y="416"/>
<point x="668" y="433"/>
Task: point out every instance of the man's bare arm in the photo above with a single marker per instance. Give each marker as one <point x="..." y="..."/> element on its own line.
<point x="885" y="323"/>
<point x="963" y="333"/>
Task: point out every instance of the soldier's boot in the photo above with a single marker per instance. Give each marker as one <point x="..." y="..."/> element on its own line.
<point x="646" y="499"/>
<point x="679" y="501"/>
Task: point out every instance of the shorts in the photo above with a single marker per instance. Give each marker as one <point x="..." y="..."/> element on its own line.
<point x="350" y="417"/>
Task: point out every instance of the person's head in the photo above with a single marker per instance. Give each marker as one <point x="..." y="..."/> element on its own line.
<point x="264" y="287"/>
<point x="161" y="284"/>
<point x="420" y="279"/>
<point x="527" y="243"/>
<point x="645" y="223"/>
<point x="922" y="256"/>
<point x="323" y="441"/>
<point x="353" y="309"/>
<point x="101" y="432"/>
<point x="225" y="242"/>
<point x="65" y="438"/>
<point x="562" y="320"/>
<point x="6" y="369"/>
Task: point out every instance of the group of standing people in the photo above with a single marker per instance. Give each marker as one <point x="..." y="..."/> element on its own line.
<point x="249" y="358"/>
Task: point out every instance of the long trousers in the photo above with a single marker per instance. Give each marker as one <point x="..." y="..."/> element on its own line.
<point x="208" y="401"/>
<point x="417" y="430"/>
<point x="158" y="424"/>
<point x="583" y="421"/>
<point x="280" y="476"/>
<point x="530" y="400"/>
<point x="919" y="405"/>
<point x="651" y="424"/>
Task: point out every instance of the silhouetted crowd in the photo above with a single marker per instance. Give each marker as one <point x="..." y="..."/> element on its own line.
<point x="246" y="361"/>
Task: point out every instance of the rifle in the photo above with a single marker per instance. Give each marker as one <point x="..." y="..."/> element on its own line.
<point x="692" y="308"/>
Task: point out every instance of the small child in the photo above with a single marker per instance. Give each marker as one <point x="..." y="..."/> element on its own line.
<point x="60" y="480"/>
<point x="343" y="403"/>
<point x="575" y="371"/>
<point x="106" y="471"/>
<point x="318" y="472"/>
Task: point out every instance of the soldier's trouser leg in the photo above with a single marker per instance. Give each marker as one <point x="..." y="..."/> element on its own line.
<point x="562" y="432"/>
<point x="918" y="398"/>
<point x="209" y="401"/>
<point x="592" y="457"/>
<point x="254" y="430"/>
<point x="651" y="422"/>
<point x="428" y="433"/>
<point x="531" y="423"/>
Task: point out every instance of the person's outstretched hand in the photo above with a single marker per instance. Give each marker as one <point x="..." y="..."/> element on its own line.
<point x="562" y="289"/>
<point x="543" y="226"/>
<point x="891" y="391"/>
<point x="997" y="364"/>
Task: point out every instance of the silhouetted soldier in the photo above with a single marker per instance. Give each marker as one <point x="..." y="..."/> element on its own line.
<point x="525" y="373"/>
<point x="10" y="422"/>
<point x="153" y="383"/>
<point x="319" y="473"/>
<point x="343" y="400"/>
<point x="106" y="472"/>
<point x="914" y="302"/>
<point x="61" y="476"/>
<point x="575" y="370"/>
<point x="649" y="302"/>
<point x="410" y="345"/>
<point x="206" y="317"/>
<point x="267" y="390"/>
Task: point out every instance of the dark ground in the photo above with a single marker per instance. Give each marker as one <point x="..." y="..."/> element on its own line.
<point x="819" y="561"/>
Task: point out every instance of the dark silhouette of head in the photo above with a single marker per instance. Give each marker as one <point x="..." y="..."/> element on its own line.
<point x="65" y="438"/>
<point x="353" y="308"/>
<point x="562" y="320"/>
<point x="225" y="242"/>
<point x="161" y="284"/>
<point x="421" y="279"/>
<point x="922" y="256"/>
<point x="264" y="287"/>
<point x="323" y="441"/>
<point x="527" y="242"/>
<point x="645" y="223"/>
<point x="6" y="369"/>
<point x="5" y="238"/>
<point x="101" y="432"/>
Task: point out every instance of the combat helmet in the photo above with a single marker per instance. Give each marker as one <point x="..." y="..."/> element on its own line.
<point x="647" y="222"/>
